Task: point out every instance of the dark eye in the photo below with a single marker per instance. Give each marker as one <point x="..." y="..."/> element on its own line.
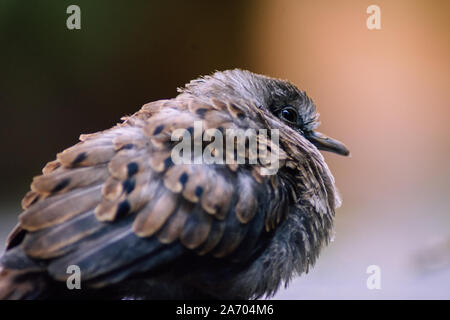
<point x="289" y="114"/>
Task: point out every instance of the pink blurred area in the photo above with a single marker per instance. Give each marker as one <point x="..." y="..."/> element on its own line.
<point x="385" y="93"/>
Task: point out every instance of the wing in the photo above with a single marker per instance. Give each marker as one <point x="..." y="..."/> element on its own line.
<point x="116" y="204"/>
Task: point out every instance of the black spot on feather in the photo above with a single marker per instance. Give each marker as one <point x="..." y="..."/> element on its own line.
<point x="123" y="208"/>
<point x="132" y="168"/>
<point x="127" y="146"/>
<point x="201" y="112"/>
<point x="128" y="185"/>
<point x="61" y="185"/>
<point x="168" y="163"/>
<point x="184" y="178"/>
<point x="158" y="129"/>
<point x="198" y="191"/>
<point x="80" y="158"/>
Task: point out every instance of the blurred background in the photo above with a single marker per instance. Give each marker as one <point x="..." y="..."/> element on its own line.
<point x="385" y="93"/>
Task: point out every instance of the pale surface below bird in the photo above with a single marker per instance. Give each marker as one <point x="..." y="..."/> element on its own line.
<point x="139" y="225"/>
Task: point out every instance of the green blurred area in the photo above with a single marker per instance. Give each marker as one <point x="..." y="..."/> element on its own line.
<point x="57" y="83"/>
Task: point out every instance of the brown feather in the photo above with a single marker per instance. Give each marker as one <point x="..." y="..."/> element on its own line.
<point x="215" y="235"/>
<point x="175" y="224"/>
<point x="62" y="180"/>
<point x="151" y="218"/>
<point x="60" y="208"/>
<point x="196" y="229"/>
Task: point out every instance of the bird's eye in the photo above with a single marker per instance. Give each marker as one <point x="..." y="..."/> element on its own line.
<point x="289" y="114"/>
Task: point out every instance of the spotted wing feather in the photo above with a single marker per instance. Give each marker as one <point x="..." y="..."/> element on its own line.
<point x="116" y="205"/>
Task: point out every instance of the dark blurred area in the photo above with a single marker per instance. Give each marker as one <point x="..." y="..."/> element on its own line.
<point x="385" y="93"/>
<point x="57" y="83"/>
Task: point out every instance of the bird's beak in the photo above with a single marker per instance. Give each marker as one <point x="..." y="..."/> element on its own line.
<point x="322" y="142"/>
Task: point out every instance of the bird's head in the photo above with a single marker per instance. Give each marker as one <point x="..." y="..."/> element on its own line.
<point x="291" y="106"/>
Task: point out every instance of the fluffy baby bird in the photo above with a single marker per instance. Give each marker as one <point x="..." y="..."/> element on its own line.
<point x="138" y="223"/>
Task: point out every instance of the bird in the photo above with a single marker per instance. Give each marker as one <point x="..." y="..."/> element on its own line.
<point x="139" y="225"/>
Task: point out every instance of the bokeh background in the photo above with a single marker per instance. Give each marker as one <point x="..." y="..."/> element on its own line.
<point x="385" y="93"/>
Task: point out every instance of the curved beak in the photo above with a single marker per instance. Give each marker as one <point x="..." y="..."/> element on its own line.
<point x="322" y="142"/>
